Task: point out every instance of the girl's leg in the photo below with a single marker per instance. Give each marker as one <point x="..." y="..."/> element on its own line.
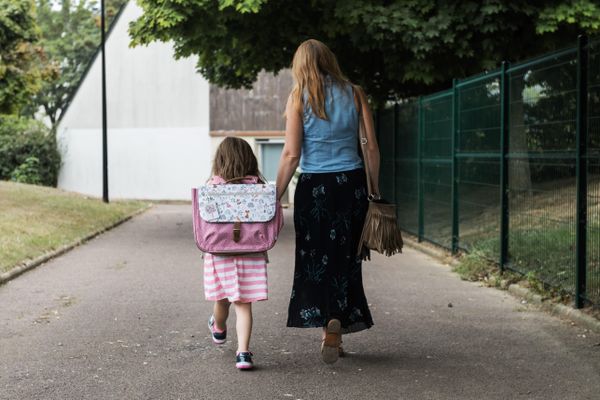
<point x="243" y="312"/>
<point x="221" y="312"/>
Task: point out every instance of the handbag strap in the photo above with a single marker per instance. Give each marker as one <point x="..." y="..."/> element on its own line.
<point x="362" y="138"/>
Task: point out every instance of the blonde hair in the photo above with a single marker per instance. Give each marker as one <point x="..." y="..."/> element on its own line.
<point x="312" y="62"/>
<point x="234" y="158"/>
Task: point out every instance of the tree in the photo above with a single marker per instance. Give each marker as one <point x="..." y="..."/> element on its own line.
<point x="20" y="55"/>
<point x="70" y="36"/>
<point x="392" y="48"/>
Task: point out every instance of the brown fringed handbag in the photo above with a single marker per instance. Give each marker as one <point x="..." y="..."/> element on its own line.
<point x="380" y="232"/>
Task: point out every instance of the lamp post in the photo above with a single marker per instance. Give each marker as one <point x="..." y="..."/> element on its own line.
<point x="104" y="127"/>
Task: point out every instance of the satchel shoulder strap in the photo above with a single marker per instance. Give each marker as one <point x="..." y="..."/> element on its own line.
<point x="254" y="179"/>
<point x="239" y="178"/>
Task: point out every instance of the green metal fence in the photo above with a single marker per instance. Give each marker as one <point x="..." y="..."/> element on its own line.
<point x="593" y="178"/>
<point x="508" y="163"/>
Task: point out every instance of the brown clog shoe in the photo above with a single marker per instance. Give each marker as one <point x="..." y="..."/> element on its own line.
<point x="330" y="348"/>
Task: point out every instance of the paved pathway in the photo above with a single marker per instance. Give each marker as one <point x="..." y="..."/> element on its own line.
<point x="123" y="317"/>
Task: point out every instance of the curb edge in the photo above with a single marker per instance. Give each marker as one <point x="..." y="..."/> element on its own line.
<point x="30" y="264"/>
<point x="431" y="250"/>
<point x="555" y="309"/>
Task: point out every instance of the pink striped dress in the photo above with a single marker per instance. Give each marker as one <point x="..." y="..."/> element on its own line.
<point x="235" y="278"/>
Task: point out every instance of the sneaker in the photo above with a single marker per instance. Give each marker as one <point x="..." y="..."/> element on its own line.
<point x="243" y="360"/>
<point x="330" y="347"/>
<point x="219" y="337"/>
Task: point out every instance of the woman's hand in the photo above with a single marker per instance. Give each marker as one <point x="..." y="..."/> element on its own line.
<point x="290" y="156"/>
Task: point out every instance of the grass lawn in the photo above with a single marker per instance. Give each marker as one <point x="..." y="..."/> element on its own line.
<point x="36" y="219"/>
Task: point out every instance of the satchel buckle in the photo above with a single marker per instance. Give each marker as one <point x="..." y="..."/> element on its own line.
<point x="237" y="231"/>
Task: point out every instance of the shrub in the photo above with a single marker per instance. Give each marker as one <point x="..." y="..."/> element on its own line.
<point x="28" y="172"/>
<point x="21" y="140"/>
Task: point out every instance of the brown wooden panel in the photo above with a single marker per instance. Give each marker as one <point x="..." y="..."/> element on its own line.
<point x="258" y="109"/>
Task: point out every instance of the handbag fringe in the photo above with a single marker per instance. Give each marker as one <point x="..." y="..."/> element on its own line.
<point x="380" y="231"/>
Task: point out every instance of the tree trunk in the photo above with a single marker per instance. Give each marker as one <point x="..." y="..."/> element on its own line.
<point x="519" y="172"/>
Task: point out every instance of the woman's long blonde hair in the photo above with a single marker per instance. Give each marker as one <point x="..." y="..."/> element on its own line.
<point x="312" y="62"/>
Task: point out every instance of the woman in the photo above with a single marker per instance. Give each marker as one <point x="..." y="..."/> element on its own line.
<point x="330" y="203"/>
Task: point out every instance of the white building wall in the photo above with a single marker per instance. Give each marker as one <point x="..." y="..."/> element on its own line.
<point x="158" y="123"/>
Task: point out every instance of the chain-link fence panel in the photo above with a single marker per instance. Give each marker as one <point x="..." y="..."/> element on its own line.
<point x="593" y="165"/>
<point x="478" y="156"/>
<point x="386" y="139"/>
<point x="447" y="155"/>
<point x="436" y="166"/>
<point x="542" y="169"/>
<point x="407" y="165"/>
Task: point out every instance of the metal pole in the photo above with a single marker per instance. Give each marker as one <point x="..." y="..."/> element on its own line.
<point x="455" y="145"/>
<point x="104" y="126"/>
<point x="394" y="155"/>
<point x="504" y="136"/>
<point x="581" y="170"/>
<point x="420" y="170"/>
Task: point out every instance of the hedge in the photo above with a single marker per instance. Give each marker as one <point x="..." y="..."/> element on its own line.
<point x="28" y="151"/>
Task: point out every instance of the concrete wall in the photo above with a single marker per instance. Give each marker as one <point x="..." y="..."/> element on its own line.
<point x="158" y="123"/>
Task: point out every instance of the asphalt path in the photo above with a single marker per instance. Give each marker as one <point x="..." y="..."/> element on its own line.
<point x="123" y="317"/>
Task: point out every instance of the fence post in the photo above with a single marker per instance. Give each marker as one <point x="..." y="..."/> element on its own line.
<point x="454" y="190"/>
<point x="420" y="131"/>
<point x="581" y="170"/>
<point x="504" y="136"/>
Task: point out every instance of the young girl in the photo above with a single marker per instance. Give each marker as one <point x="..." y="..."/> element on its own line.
<point x="239" y="279"/>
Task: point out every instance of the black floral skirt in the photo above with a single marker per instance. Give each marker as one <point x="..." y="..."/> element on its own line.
<point x="329" y="212"/>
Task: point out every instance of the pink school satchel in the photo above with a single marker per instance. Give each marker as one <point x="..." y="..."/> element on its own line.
<point x="236" y="218"/>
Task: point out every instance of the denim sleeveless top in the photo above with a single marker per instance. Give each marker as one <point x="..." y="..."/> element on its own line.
<point x="331" y="145"/>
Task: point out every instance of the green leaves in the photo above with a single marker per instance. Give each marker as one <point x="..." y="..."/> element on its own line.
<point x="583" y="13"/>
<point x="392" y="48"/>
<point x="242" y="6"/>
<point x="23" y="138"/>
<point x="20" y="72"/>
<point x="28" y="172"/>
<point x="70" y="35"/>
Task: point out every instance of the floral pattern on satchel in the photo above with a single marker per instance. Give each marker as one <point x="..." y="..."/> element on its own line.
<point x="238" y="202"/>
<point x="236" y="218"/>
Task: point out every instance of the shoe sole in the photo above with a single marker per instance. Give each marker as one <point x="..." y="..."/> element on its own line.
<point x="216" y="341"/>
<point x="243" y="365"/>
<point x="331" y="343"/>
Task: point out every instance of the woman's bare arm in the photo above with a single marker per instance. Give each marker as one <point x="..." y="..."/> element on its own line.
<point x="372" y="147"/>
<point x="290" y="156"/>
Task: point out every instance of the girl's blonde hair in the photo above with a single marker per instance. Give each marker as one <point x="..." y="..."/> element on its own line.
<point x="312" y="62"/>
<point x="234" y="158"/>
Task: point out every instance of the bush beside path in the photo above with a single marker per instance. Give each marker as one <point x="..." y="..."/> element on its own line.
<point x="35" y="220"/>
